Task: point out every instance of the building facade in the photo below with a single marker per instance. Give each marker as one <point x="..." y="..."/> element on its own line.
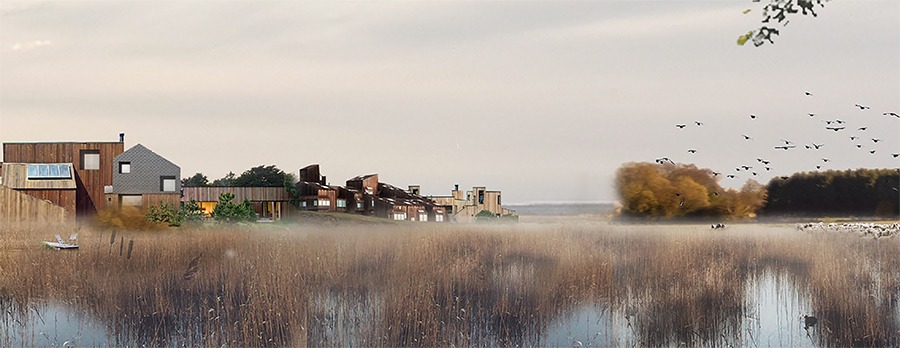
<point x="143" y="178"/>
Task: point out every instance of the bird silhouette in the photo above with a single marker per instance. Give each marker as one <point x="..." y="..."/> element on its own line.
<point x="746" y="137"/>
<point x="828" y="122"/>
<point x="863" y="128"/>
<point x="692" y="151"/>
<point x="680" y="126"/>
<point x="861" y="107"/>
<point x="698" y="123"/>
<point x="835" y="128"/>
<point x="895" y="155"/>
<point x="785" y="178"/>
<point x="825" y="160"/>
<point x="768" y="169"/>
<point x="876" y="140"/>
<point x="807" y="93"/>
<point x="811" y="114"/>
<point x="858" y="146"/>
<point x="853" y="137"/>
<point x="730" y="176"/>
<point x="752" y="116"/>
<point x="817" y="146"/>
<point x="872" y="152"/>
<point x="754" y="173"/>
<point x="894" y="114"/>
<point x="787" y="142"/>
<point x="818" y="167"/>
<point x="839" y="121"/>
<point x="717" y="173"/>
<point x="786" y="147"/>
<point x="746" y="167"/>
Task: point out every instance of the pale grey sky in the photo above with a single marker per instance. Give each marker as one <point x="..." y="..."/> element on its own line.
<point x="540" y="99"/>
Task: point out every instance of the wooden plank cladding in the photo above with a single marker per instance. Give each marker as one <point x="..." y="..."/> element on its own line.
<point x="92" y="164"/>
<point x="15" y="175"/>
<point x="254" y="194"/>
<point x="20" y="209"/>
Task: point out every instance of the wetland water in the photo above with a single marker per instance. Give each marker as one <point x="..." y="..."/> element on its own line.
<point x="577" y="288"/>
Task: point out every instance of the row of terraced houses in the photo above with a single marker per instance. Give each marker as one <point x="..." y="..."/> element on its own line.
<point x="64" y="182"/>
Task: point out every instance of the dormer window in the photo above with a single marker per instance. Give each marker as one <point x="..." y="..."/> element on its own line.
<point x="124" y="167"/>
<point x="90" y="159"/>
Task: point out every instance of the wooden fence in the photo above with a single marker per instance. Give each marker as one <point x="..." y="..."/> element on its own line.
<point x="19" y="209"/>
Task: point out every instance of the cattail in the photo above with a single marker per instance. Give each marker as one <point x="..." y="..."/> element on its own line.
<point x="192" y="269"/>
<point x="112" y="238"/>
<point x="130" y="248"/>
<point x="121" y="245"/>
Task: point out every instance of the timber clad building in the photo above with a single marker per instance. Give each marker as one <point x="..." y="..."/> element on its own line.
<point x="61" y="182"/>
<point x="90" y="165"/>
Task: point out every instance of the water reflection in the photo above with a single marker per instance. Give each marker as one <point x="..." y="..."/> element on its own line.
<point x="50" y="324"/>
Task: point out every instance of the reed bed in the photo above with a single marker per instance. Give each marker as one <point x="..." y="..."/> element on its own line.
<point x="446" y="285"/>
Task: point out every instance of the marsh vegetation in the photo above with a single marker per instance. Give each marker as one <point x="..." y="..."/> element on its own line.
<point x="443" y="285"/>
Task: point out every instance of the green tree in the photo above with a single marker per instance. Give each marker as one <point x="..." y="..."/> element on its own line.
<point x="225" y="181"/>
<point x="486" y="216"/>
<point x="262" y="176"/>
<point x="197" y="180"/>
<point x="778" y="10"/>
<point x="191" y="212"/>
<point x="229" y="212"/>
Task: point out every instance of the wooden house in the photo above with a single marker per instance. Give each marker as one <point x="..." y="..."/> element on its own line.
<point x="272" y="203"/>
<point x="463" y="208"/>
<point x="37" y="193"/>
<point x="91" y="164"/>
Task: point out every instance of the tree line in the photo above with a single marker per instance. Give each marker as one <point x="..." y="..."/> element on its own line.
<point x="260" y="176"/>
<point x="855" y="192"/>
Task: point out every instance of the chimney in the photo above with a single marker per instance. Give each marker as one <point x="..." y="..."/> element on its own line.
<point x="121" y="137"/>
<point x="323" y="180"/>
<point x="414" y="189"/>
<point x="456" y="187"/>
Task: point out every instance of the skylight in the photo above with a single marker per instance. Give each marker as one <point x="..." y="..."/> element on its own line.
<point x="50" y="171"/>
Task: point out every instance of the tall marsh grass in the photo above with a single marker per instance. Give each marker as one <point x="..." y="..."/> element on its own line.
<point x="443" y="285"/>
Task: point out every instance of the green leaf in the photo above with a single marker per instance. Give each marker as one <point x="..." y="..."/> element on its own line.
<point x="743" y="38"/>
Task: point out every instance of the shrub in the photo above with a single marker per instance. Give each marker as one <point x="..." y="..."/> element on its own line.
<point x="227" y="211"/>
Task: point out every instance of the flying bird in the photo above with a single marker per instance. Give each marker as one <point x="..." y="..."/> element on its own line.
<point x="786" y="147"/>
<point x="825" y="160"/>
<point x="746" y="167"/>
<point x="861" y="107"/>
<point x="785" y="178"/>
<point x="895" y="155"/>
<point x="752" y="116"/>
<point x="894" y="114"/>
<point x="817" y="146"/>
<point x="717" y="173"/>
<point x="698" y="123"/>
<point x="853" y="137"/>
<point x="858" y="146"/>
<point x="835" y="128"/>
<point x="839" y="121"/>
<point x="807" y="93"/>
<point x="746" y="137"/>
<point x="680" y="126"/>
<point x="754" y="173"/>
<point x="787" y="142"/>
<point x="818" y="167"/>
<point x="730" y="176"/>
<point x="863" y="128"/>
<point x="768" y="169"/>
<point x="692" y="151"/>
<point x="876" y="140"/>
<point x="811" y="114"/>
<point x="872" y="152"/>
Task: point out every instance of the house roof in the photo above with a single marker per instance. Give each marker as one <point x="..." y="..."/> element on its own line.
<point x="15" y="175"/>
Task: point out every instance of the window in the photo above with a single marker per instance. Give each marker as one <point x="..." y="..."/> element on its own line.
<point x="124" y="167"/>
<point x="423" y="217"/>
<point x="167" y="183"/>
<point x="399" y="216"/>
<point x="132" y="200"/>
<point x="359" y="205"/>
<point x="480" y="197"/>
<point x="498" y="200"/>
<point x="303" y="204"/>
<point x="90" y="159"/>
<point x="439" y="218"/>
<point x="49" y="171"/>
<point x="342" y="203"/>
<point x="324" y="202"/>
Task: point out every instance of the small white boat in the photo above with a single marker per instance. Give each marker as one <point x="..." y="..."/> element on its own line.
<point x="61" y="244"/>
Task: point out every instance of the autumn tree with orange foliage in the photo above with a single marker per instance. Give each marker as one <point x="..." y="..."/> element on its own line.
<point x="683" y="190"/>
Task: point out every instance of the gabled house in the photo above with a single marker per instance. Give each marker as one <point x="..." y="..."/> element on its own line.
<point x="143" y="178"/>
<point x="53" y="183"/>
<point x="463" y="208"/>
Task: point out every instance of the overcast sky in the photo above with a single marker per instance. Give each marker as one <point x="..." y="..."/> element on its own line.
<point x="542" y="100"/>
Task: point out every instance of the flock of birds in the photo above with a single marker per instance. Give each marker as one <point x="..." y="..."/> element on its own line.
<point x="859" y="138"/>
<point x="862" y="229"/>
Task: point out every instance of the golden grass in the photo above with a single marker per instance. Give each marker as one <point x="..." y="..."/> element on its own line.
<point x="442" y="285"/>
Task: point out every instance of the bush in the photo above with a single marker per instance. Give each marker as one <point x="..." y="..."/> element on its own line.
<point x="486" y="216"/>
<point x="164" y="213"/>
<point x="227" y="211"/>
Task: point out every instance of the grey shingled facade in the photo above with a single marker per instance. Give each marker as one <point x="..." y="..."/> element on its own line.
<point x="147" y="169"/>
